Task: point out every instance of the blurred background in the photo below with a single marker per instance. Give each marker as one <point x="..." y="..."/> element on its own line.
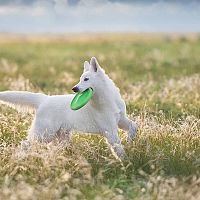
<point x="60" y="16"/>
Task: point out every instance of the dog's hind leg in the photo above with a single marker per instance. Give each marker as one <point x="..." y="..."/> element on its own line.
<point x="128" y="125"/>
<point x="26" y="144"/>
<point x="42" y="130"/>
<point x="114" y="141"/>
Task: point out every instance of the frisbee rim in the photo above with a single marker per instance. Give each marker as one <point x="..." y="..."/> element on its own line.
<point x="76" y="104"/>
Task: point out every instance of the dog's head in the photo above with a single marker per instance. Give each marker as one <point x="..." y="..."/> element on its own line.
<point x="91" y="77"/>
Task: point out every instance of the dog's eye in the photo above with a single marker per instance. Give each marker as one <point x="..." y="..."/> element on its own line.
<point x="86" y="79"/>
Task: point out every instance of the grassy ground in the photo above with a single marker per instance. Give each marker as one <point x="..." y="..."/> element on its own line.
<point x="159" y="78"/>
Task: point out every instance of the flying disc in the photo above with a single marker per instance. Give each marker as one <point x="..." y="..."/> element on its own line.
<point x="81" y="99"/>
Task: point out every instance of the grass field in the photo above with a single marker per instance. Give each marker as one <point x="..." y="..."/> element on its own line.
<point x="159" y="78"/>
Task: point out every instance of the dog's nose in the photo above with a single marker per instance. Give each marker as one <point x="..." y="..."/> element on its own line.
<point x="75" y="89"/>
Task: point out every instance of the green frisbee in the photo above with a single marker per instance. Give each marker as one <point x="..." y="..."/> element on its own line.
<point x="81" y="99"/>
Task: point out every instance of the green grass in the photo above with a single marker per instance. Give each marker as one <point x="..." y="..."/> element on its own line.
<point x="160" y="82"/>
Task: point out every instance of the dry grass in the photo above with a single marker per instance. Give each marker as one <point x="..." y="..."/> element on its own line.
<point x="163" y="161"/>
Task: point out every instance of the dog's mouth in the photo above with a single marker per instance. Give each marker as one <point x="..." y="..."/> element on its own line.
<point x="78" y="91"/>
<point x="88" y="89"/>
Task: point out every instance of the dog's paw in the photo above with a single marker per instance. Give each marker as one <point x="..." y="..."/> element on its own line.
<point x="131" y="133"/>
<point x="118" y="152"/>
<point x="129" y="140"/>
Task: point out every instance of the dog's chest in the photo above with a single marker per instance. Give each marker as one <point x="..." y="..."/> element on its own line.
<point x="105" y="118"/>
<point x="96" y="121"/>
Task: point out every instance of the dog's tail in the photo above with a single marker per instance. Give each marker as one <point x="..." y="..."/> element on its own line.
<point x="22" y="100"/>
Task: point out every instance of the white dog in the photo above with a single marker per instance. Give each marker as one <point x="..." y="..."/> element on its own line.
<point x="103" y="114"/>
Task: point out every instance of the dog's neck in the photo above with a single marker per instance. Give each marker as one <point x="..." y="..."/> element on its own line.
<point x="105" y="95"/>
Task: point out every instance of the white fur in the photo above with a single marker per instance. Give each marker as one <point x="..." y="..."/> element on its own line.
<point x="103" y="114"/>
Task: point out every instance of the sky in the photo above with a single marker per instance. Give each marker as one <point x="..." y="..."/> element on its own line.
<point x="60" y="16"/>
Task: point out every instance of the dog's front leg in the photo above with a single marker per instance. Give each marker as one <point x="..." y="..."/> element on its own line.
<point x="128" y="125"/>
<point x="114" y="141"/>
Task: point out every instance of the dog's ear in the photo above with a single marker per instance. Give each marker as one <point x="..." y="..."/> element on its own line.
<point x="94" y="64"/>
<point x="86" y="66"/>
